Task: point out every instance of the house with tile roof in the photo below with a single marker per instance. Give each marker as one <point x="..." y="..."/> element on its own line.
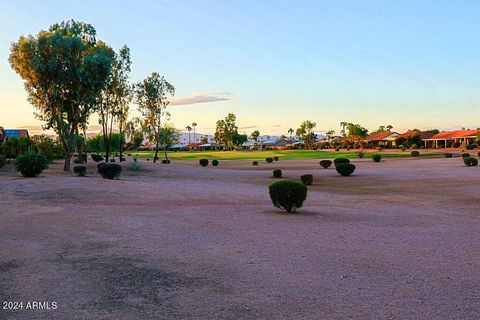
<point x="445" y="138"/>
<point x="382" y="139"/>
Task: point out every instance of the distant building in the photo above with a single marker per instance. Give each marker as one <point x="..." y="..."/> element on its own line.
<point x="382" y="139"/>
<point x="446" y="138"/>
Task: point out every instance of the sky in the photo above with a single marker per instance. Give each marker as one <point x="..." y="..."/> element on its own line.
<point x="274" y="63"/>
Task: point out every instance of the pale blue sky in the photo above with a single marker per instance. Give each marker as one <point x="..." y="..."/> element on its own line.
<point x="405" y="63"/>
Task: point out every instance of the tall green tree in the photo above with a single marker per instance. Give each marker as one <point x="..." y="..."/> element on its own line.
<point x="226" y="131"/>
<point x="113" y="104"/>
<point x="255" y="134"/>
<point x="151" y="96"/>
<point x="64" y="69"/>
<point x="356" y="133"/>
<point x="169" y="135"/>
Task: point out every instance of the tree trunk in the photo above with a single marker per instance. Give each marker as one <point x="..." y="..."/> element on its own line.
<point x="156" y="153"/>
<point x="165" y="152"/>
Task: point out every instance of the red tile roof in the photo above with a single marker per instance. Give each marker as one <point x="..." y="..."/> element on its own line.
<point x="454" y="134"/>
<point x="423" y="135"/>
<point x="380" y="136"/>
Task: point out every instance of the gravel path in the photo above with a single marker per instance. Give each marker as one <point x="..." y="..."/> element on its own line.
<point x="398" y="240"/>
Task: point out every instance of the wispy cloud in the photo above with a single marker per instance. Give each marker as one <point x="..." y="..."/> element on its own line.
<point x="248" y="127"/>
<point x="202" y="98"/>
<point x="277" y="126"/>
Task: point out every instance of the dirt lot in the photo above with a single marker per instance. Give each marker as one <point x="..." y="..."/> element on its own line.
<point x="398" y="240"/>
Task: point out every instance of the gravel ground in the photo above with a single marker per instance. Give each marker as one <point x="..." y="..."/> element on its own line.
<point x="399" y="239"/>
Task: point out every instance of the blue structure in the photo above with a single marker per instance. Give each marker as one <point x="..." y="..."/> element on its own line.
<point x="17" y="133"/>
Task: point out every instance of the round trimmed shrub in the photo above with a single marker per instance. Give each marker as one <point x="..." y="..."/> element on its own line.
<point x="448" y="155"/>
<point x="255" y="163"/>
<point x="3" y="160"/>
<point x="31" y="164"/>
<point x="415" y="153"/>
<point x="203" y="162"/>
<point x="345" y="169"/>
<point x="81" y="171"/>
<point x="96" y="157"/>
<point x="215" y="163"/>
<point x="109" y="170"/>
<point x="269" y="160"/>
<point x="277" y="173"/>
<point x="337" y="161"/>
<point x="360" y="154"/>
<point x="470" y="161"/>
<point x="275" y="158"/>
<point x="402" y="147"/>
<point x="288" y="195"/>
<point x="166" y="161"/>
<point x="377" y="158"/>
<point x="465" y="155"/>
<point x="307" y="179"/>
<point x="325" y="163"/>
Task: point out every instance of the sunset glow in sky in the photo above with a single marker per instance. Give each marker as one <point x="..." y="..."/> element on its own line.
<point x="411" y="64"/>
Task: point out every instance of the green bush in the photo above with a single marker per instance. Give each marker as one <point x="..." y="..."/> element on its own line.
<point x="307" y="179"/>
<point x="402" y="147"/>
<point x="415" y="153"/>
<point x="360" y="154"/>
<point x="275" y="158"/>
<point x="81" y="171"/>
<point x="215" y="163"/>
<point x="3" y="160"/>
<point x="203" y="162"/>
<point x="377" y="157"/>
<point x="277" y="173"/>
<point x="269" y="160"/>
<point x="288" y="195"/>
<point x="448" y="155"/>
<point x="325" y="163"/>
<point x="470" y="161"/>
<point x="470" y="146"/>
<point x="109" y="170"/>
<point x="341" y="160"/>
<point x="345" y="169"/>
<point x="465" y="155"/>
<point x="96" y="157"/>
<point x="255" y="163"/>
<point x="31" y="164"/>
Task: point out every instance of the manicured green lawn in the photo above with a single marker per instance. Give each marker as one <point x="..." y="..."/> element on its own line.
<point x="260" y="155"/>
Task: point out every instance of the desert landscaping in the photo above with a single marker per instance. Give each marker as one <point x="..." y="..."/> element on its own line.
<point x="398" y="239"/>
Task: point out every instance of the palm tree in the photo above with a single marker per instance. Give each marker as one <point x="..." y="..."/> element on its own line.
<point x="188" y="129"/>
<point x="194" y="124"/>
<point x="290" y="131"/>
<point x="389" y="127"/>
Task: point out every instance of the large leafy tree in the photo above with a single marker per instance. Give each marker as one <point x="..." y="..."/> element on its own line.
<point x="152" y="95"/>
<point x="226" y="131"/>
<point x="65" y="68"/>
<point x="113" y="104"/>
<point x="356" y="133"/>
<point x="169" y="135"/>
